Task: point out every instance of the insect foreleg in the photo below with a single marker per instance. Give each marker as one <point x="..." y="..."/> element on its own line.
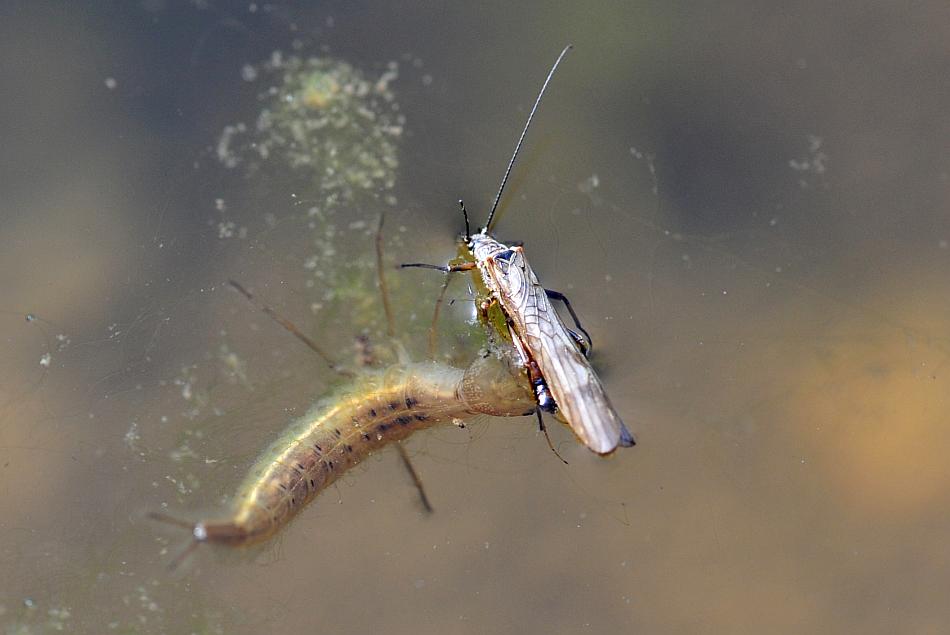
<point x="465" y="266"/>
<point x="557" y="295"/>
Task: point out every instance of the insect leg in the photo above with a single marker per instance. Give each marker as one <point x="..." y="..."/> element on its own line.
<point x="545" y="431"/>
<point x="557" y="295"/>
<point x="468" y="230"/>
<point x="581" y="343"/>
<point x="465" y="266"/>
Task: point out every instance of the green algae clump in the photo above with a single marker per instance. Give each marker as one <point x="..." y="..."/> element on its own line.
<point x="324" y="120"/>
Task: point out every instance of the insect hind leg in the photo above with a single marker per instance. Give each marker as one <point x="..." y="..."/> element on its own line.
<point x="581" y="342"/>
<point x="544" y="430"/>
<point x="586" y="347"/>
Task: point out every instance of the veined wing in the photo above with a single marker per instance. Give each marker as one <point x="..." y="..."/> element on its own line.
<point x="578" y="392"/>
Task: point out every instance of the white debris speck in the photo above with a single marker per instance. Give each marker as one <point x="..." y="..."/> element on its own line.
<point x="226" y="229"/>
<point x="110" y="83"/>
<point x="248" y="73"/>
<point x="589" y="184"/>
<point x="45" y="360"/>
<point x="58" y="618"/>
<point x="235" y="367"/>
<point x="817" y="160"/>
<point x="132" y="435"/>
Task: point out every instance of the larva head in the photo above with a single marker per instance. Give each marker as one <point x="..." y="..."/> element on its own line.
<point x="495" y="385"/>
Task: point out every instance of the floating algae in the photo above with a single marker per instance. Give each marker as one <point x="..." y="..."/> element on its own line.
<point x="327" y="134"/>
<point x="324" y="120"/>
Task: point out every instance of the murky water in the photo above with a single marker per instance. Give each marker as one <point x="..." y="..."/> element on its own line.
<point x="747" y="206"/>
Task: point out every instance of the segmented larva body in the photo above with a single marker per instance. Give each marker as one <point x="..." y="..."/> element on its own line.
<point x="379" y="407"/>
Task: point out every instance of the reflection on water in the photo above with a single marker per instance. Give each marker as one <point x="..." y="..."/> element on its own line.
<point x="745" y="207"/>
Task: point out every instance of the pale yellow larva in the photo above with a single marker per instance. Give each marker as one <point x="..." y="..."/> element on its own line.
<point x="378" y="407"/>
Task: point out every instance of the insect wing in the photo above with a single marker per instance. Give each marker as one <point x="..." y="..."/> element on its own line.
<point x="578" y="392"/>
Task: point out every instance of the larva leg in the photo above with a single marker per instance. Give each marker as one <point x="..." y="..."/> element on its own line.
<point x="291" y="328"/>
<point x="407" y="462"/>
<point x="391" y="331"/>
<point x="380" y="272"/>
<point x="434" y="327"/>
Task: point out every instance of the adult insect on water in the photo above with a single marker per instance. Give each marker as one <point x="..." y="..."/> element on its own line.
<point x="554" y="356"/>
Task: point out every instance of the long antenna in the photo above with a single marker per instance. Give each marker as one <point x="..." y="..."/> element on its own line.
<point x="514" y="156"/>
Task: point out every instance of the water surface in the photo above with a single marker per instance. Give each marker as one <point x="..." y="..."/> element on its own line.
<point x="746" y="205"/>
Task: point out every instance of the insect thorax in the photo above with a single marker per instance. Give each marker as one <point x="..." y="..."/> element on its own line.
<point x="484" y="247"/>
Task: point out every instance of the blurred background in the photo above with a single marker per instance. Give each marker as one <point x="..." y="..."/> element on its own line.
<point x="747" y="205"/>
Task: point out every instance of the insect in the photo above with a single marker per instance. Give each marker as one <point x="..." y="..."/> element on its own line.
<point x="554" y="356"/>
<point x="376" y="408"/>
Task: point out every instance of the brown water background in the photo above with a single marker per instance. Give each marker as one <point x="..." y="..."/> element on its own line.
<point x="748" y="205"/>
